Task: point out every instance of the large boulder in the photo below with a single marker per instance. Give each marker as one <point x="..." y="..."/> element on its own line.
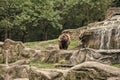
<point x="104" y="35"/>
<point x="13" y="72"/>
<point x="46" y="74"/>
<point x="102" y="56"/>
<point x="55" y="56"/>
<point x="84" y="71"/>
<point x="11" y="51"/>
<point x="32" y="54"/>
<point x="93" y="71"/>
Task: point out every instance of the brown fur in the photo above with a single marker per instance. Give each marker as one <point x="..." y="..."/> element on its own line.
<point x="64" y="41"/>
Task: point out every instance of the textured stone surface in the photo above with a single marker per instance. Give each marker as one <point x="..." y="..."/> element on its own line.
<point x="14" y="71"/>
<point x="112" y="11"/>
<point x="36" y="74"/>
<point x="55" y="56"/>
<point x="21" y="79"/>
<point x="93" y="71"/>
<point x="102" y="56"/>
<point x="84" y="71"/>
<point x="100" y="35"/>
<point x="104" y="35"/>
<point x="10" y="51"/>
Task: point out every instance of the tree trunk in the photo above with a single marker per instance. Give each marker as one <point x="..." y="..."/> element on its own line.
<point x="45" y="31"/>
<point x="24" y="34"/>
<point x="9" y="34"/>
<point x="6" y="33"/>
<point x="46" y="37"/>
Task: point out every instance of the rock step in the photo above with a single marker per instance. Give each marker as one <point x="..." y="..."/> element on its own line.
<point x="111" y="51"/>
<point x="21" y="79"/>
<point x="47" y="74"/>
<point x="63" y="65"/>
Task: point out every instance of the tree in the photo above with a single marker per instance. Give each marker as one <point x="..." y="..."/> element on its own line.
<point x="46" y="18"/>
<point x="31" y="20"/>
<point x="81" y="12"/>
<point x="6" y="25"/>
<point x="115" y="3"/>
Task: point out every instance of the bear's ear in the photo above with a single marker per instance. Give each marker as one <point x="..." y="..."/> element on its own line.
<point x="60" y="37"/>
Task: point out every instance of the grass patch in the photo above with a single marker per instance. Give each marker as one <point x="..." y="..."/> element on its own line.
<point x="73" y="44"/>
<point x="116" y="65"/>
<point x="42" y="65"/>
<point x="43" y="44"/>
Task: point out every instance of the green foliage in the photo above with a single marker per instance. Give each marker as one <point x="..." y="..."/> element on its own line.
<point x="39" y="14"/>
<point x="116" y="65"/>
<point x="115" y="3"/>
<point x="73" y="44"/>
<point x="83" y="12"/>
<point x="35" y="20"/>
<point x="5" y="24"/>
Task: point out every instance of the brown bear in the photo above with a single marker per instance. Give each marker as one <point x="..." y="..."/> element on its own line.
<point x="64" y="41"/>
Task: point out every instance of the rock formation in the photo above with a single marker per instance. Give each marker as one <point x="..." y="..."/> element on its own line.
<point x="93" y="71"/>
<point x="101" y="42"/>
<point x="81" y="70"/>
<point x="104" y="35"/>
<point x="102" y="56"/>
<point x="13" y="72"/>
<point x="100" y="35"/>
<point x="112" y="12"/>
<point x="10" y="51"/>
